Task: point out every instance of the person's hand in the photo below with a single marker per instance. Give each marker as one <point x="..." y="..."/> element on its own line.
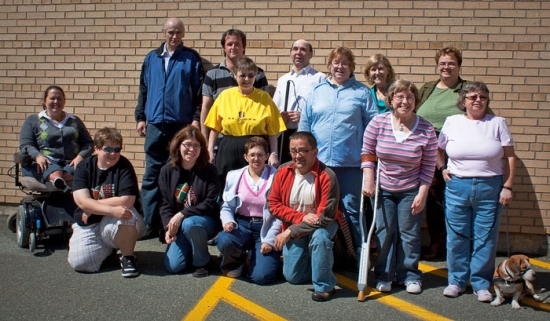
<point x="505" y="197"/>
<point x="446" y="175"/>
<point x="273" y="160"/>
<point x="368" y="187"/>
<point x="41" y="163"/>
<point x="310" y="219"/>
<point x="141" y="128"/>
<point x="76" y="160"/>
<point x="293" y="116"/>
<point x="228" y="227"/>
<point x="282" y="239"/>
<point x="122" y="213"/>
<point x="418" y="205"/>
<point x="174" y="224"/>
<point x="265" y="248"/>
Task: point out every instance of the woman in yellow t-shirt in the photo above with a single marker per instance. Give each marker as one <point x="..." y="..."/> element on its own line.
<point x="239" y="113"/>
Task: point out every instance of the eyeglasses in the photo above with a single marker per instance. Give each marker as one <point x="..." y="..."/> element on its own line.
<point x="451" y="64"/>
<point x="109" y="150"/>
<point x="258" y="155"/>
<point x="400" y="98"/>
<point x="191" y="146"/>
<point x="341" y="64"/>
<point x="249" y="76"/>
<point x="299" y="152"/>
<point x="475" y="97"/>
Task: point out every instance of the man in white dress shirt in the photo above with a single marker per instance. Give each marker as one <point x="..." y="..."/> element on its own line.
<point x="293" y="89"/>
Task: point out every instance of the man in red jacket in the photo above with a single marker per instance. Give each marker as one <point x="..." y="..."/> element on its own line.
<point x="304" y="195"/>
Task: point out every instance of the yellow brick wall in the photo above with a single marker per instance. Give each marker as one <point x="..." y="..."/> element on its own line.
<point x="94" y="50"/>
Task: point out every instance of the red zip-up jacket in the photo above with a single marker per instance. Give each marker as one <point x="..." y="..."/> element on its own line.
<point x="326" y="197"/>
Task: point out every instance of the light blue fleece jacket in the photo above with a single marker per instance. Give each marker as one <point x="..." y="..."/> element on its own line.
<point x="231" y="203"/>
<point x="337" y="116"/>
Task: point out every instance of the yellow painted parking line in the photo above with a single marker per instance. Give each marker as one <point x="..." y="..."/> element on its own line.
<point x="441" y="272"/>
<point x="538" y="263"/>
<point x="391" y="301"/>
<point x="220" y="291"/>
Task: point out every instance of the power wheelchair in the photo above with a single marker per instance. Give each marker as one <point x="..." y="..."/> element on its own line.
<point x="43" y="212"/>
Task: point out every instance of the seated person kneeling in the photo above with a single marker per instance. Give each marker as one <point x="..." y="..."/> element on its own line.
<point x="247" y="223"/>
<point x="105" y="189"/>
<point x="304" y="195"/>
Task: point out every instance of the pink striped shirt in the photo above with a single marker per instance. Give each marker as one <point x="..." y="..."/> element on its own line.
<point x="405" y="165"/>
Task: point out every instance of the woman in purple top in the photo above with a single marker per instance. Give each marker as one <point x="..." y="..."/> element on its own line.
<point x="479" y="177"/>
<point x="405" y="145"/>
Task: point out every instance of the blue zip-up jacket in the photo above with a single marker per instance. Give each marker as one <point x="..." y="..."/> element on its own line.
<point x="337" y="116"/>
<point x="174" y="95"/>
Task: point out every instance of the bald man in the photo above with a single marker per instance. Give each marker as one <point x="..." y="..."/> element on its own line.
<point x="169" y="99"/>
<point x="297" y="85"/>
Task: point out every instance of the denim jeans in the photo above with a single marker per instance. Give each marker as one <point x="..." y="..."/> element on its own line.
<point x="472" y="210"/>
<point x="246" y="237"/>
<point x="311" y="258"/>
<point x="157" y="140"/>
<point x="398" y="233"/>
<point x="350" y="183"/>
<point x="190" y="245"/>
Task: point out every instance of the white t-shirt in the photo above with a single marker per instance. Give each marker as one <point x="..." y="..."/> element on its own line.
<point x="474" y="147"/>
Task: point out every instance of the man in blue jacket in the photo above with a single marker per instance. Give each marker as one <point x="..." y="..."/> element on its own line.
<point x="169" y="99"/>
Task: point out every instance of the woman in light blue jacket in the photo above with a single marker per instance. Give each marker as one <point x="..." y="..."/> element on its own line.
<point x="248" y="226"/>
<point x="337" y="113"/>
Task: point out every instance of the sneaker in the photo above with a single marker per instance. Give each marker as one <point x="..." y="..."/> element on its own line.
<point x="128" y="265"/>
<point x="383" y="286"/>
<point x="413" y="287"/>
<point x="200" y="272"/>
<point x="234" y="273"/>
<point x="452" y="291"/>
<point x="484" y="296"/>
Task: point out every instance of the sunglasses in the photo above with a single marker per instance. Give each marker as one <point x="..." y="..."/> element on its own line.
<point x="111" y="149"/>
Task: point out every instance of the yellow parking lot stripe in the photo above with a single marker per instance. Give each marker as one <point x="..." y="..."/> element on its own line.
<point x="220" y="291"/>
<point x="391" y="301"/>
<point x="538" y="263"/>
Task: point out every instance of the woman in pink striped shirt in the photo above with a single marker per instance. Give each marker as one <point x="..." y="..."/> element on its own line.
<point x="406" y="147"/>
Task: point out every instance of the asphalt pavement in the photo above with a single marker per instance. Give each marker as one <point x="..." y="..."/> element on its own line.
<point x="42" y="286"/>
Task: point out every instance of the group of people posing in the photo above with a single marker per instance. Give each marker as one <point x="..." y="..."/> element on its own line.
<point x="268" y="177"/>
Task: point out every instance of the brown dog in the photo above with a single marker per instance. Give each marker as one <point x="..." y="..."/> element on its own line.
<point x="513" y="278"/>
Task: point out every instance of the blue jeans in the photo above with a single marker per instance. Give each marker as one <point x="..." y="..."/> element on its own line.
<point x="473" y="211"/>
<point x="190" y="245"/>
<point x="246" y="237"/>
<point x="157" y="140"/>
<point x="398" y="233"/>
<point x="310" y="258"/>
<point x="350" y="183"/>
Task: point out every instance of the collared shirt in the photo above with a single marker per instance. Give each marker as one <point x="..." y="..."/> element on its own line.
<point x="166" y="56"/>
<point x="337" y="116"/>
<point x="301" y="85"/>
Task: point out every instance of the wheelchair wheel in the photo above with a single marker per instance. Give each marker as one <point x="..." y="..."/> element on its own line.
<point x="23" y="232"/>
<point x="32" y="241"/>
<point x="12" y="222"/>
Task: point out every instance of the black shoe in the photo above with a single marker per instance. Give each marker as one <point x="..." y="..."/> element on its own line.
<point x="128" y="265"/>
<point x="322" y="296"/>
<point x="201" y="272"/>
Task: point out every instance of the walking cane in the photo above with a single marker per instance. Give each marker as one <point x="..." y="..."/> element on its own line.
<point x="286" y="107"/>
<point x="365" y="246"/>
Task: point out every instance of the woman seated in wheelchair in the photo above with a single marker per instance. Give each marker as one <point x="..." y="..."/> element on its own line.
<point x="54" y="140"/>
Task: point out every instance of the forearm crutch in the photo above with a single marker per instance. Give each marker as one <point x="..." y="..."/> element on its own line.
<point x="365" y="246"/>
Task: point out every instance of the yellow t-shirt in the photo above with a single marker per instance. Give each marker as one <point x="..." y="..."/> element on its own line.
<point x="235" y="114"/>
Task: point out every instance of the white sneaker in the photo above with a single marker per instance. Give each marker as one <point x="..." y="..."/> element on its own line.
<point x="383" y="286"/>
<point x="414" y="287"/>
